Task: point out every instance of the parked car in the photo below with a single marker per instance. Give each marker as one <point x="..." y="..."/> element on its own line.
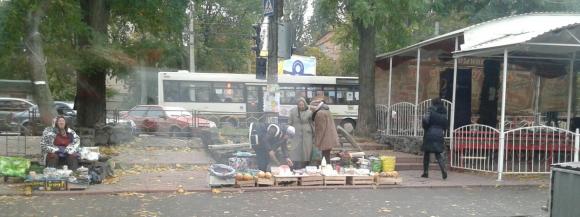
<point x="29" y="120"/>
<point x="174" y="121"/>
<point x="9" y="106"/>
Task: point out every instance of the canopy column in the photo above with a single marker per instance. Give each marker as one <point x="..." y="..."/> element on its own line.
<point x="417" y="119"/>
<point x="501" y="151"/>
<point x="389" y="112"/>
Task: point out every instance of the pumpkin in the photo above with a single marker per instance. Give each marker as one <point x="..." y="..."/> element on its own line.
<point x="248" y="177"/>
<point x="261" y="175"/>
<point x="239" y="177"/>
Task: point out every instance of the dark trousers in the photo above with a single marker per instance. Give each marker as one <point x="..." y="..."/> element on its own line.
<point x="300" y="164"/>
<point x="71" y="160"/>
<point x="263" y="159"/>
<point x="326" y="155"/>
<point x="426" y="160"/>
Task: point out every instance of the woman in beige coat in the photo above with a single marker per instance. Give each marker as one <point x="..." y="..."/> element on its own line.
<point x="301" y="146"/>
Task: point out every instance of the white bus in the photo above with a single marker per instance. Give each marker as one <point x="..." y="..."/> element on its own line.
<point x="237" y="93"/>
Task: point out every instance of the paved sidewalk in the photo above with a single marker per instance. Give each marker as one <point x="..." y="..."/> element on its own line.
<point x="196" y="180"/>
<point x="153" y="164"/>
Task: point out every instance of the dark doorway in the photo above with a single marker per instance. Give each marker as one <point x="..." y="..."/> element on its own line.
<point x="489" y="89"/>
<point x="463" y="94"/>
<point x="255" y="98"/>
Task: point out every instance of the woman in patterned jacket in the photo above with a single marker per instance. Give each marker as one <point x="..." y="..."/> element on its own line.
<point x="60" y="143"/>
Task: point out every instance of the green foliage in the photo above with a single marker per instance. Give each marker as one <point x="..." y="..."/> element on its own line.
<point x="60" y="26"/>
<point x="223" y="31"/>
<point x="324" y="65"/>
<point x="395" y="21"/>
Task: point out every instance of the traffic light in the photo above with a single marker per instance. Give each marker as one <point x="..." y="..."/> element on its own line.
<point x="261" y="68"/>
<point x="256" y="48"/>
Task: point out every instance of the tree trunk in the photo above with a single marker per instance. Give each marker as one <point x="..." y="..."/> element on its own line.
<point x="90" y="98"/>
<point x="366" y="123"/>
<point x="41" y="90"/>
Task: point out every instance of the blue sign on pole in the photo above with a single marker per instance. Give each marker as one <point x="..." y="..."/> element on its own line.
<point x="269" y="6"/>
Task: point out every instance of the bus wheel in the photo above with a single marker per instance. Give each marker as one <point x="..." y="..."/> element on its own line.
<point x="348" y="124"/>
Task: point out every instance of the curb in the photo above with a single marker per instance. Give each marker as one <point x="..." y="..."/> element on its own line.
<point x="263" y="189"/>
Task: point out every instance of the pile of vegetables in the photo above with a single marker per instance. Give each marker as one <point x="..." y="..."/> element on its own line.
<point x="249" y="176"/>
<point x="393" y="174"/>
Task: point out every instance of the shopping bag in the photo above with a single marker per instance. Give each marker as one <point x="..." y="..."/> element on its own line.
<point x="315" y="155"/>
<point x="14" y="166"/>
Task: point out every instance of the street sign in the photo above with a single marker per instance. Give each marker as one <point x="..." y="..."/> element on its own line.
<point x="269" y="6"/>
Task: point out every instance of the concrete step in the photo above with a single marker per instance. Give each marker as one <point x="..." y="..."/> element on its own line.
<point x="415" y="166"/>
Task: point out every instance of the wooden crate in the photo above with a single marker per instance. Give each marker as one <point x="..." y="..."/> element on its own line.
<point x="360" y="180"/>
<point x="242" y="184"/>
<point x="311" y="180"/>
<point x="388" y="180"/>
<point x="265" y="182"/>
<point x="285" y="180"/>
<point x="334" y="180"/>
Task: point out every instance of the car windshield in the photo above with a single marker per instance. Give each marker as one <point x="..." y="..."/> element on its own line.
<point x="177" y="113"/>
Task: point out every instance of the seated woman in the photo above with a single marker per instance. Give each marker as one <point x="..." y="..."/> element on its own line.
<point x="60" y="143"/>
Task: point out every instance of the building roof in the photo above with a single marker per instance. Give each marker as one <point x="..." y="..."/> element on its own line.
<point x="533" y="32"/>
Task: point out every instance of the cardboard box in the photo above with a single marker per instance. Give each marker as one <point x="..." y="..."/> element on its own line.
<point x="56" y="185"/>
<point x="36" y="185"/>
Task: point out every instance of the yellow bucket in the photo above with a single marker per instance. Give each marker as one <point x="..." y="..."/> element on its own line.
<point x="388" y="163"/>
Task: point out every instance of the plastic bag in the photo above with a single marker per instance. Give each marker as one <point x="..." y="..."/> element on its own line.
<point x="222" y="171"/>
<point x="376" y="165"/>
<point x="315" y="155"/>
<point x="14" y="166"/>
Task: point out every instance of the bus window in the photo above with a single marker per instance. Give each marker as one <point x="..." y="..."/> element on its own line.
<point x="312" y="92"/>
<point x="287" y="95"/>
<point x="228" y="92"/>
<point x="301" y="92"/>
<point x="199" y="91"/>
<point x="347" y="95"/>
<point x="330" y="93"/>
<point x="171" y="91"/>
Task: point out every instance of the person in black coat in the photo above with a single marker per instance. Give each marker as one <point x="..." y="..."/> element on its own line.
<point x="434" y="125"/>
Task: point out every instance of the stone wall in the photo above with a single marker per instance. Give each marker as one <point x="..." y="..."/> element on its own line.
<point x="405" y="144"/>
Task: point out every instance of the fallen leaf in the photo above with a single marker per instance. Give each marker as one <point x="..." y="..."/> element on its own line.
<point x="216" y="191"/>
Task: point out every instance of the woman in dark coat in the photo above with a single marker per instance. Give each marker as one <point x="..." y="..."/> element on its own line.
<point x="434" y="124"/>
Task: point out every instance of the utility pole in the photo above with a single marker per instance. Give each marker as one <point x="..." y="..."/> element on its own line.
<point x="272" y="78"/>
<point x="191" y="37"/>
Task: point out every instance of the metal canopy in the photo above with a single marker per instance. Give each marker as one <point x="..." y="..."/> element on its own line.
<point x="552" y="34"/>
<point x="539" y="34"/>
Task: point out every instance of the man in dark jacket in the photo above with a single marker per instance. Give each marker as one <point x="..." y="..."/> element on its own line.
<point x="434" y="125"/>
<point x="266" y="141"/>
<point x="277" y="140"/>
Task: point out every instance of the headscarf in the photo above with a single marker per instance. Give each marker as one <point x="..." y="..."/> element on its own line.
<point x="301" y="99"/>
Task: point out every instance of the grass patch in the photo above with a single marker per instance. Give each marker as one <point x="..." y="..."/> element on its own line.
<point x="230" y="131"/>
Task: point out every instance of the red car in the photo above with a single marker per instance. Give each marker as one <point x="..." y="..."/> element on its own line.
<point x="174" y="121"/>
